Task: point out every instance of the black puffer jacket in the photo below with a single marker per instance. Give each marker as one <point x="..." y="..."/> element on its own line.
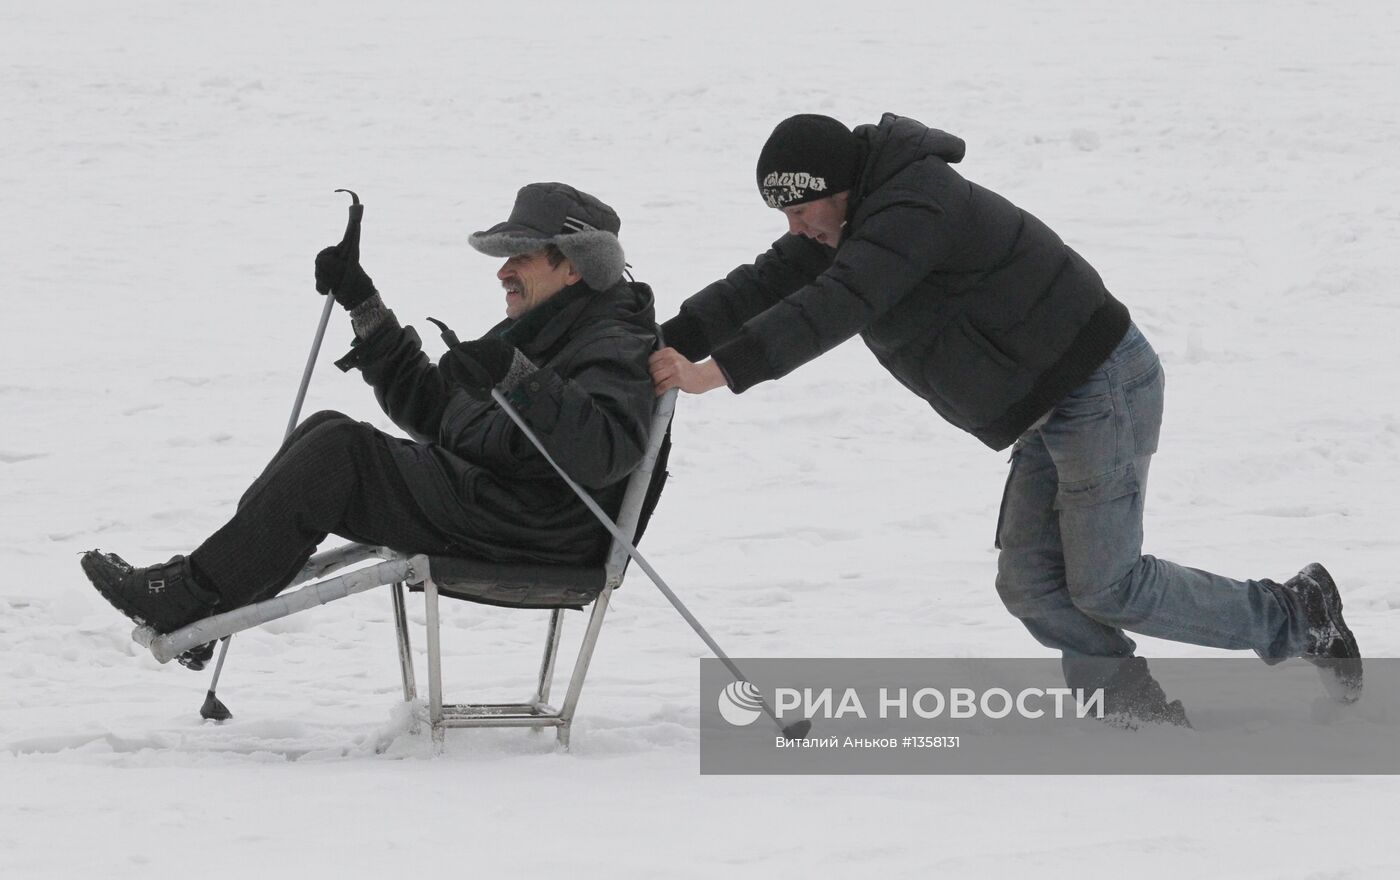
<point x="477" y="477"/>
<point x="973" y="304"/>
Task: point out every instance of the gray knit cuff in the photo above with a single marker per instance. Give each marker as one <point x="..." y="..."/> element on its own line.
<point x="370" y="316"/>
<point x="520" y="369"/>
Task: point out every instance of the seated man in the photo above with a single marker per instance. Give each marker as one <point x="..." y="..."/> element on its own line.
<point x="572" y="358"/>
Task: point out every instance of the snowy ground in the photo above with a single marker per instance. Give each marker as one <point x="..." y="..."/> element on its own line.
<point x="167" y="177"/>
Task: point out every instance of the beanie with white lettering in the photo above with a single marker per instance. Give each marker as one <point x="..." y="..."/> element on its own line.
<point x="807" y="157"/>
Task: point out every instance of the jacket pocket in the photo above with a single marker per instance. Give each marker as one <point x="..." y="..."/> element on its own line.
<point x="989" y="348"/>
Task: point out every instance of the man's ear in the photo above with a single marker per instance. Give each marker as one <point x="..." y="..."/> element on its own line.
<point x="574" y="276"/>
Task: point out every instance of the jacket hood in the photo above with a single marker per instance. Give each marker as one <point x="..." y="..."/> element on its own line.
<point x="898" y="141"/>
<point x="631" y="302"/>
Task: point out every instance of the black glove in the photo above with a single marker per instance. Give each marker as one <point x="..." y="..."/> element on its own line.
<point x="478" y="366"/>
<point x="342" y="278"/>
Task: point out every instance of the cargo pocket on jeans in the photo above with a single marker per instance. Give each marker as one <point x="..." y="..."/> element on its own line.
<point x="1005" y="493"/>
<point x="1101" y="489"/>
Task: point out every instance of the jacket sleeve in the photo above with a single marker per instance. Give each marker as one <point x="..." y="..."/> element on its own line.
<point x="904" y="236"/>
<point x="715" y="314"/>
<point x="593" y="423"/>
<point x="406" y="383"/>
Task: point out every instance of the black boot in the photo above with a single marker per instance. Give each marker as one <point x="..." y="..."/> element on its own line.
<point x="1132" y="698"/>
<point x="1331" y="646"/>
<point x="163" y="597"/>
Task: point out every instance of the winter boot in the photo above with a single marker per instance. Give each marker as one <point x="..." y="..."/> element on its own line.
<point x="1331" y="646"/>
<point x="1132" y="698"/>
<point x="163" y="597"/>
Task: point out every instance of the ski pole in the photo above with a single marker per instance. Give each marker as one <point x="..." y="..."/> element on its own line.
<point x="214" y="709"/>
<point x="796" y="730"/>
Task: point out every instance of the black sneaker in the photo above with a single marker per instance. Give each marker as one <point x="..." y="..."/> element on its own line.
<point x="1331" y="646"/>
<point x="1132" y="698"/>
<point x="163" y="597"/>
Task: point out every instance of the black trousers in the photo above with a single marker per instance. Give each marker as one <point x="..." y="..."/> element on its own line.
<point x="333" y="474"/>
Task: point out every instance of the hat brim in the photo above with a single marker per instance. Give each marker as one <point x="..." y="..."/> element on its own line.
<point x="597" y="255"/>
<point x="508" y="240"/>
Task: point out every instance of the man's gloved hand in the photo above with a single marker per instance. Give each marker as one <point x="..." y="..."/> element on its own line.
<point x="478" y="366"/>
<point x="342" y="278"/>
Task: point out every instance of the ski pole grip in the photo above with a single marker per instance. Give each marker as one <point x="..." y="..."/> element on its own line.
<point x="350" y="244"/>
<point x="448" y="337"/>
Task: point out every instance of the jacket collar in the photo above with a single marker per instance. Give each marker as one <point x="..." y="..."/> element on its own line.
<point x="543" y="326"/>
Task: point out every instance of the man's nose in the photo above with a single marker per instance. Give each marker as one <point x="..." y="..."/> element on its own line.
<point x="795" y="226"/>
<point x="504" y="272"/>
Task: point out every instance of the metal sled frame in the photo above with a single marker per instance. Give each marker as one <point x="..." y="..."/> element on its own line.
<point x="555" y="588"/>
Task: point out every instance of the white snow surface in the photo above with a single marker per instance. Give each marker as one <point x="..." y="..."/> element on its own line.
<point x="1230" y="168"/>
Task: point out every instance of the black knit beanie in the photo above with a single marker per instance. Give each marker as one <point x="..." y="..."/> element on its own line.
<point x="807" y="157"/>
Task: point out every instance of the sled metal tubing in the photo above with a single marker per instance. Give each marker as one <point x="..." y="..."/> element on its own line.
<point x="490" y="718"/>
<point x="410" y="684"/>
<point x="585" y="656"/>
<point x="631" y="550"/>
<point x="317" y="567"/>
<point x="551" y="653"/>
<point x="536" y="713"/>
<point x="324" y="563"/>
<point x="171" y="645"/>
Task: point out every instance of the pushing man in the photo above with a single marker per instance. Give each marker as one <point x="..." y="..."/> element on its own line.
<point x="984" y="312"/>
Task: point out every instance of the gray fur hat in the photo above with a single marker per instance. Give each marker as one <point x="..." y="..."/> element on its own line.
<point x="578" y="224"/>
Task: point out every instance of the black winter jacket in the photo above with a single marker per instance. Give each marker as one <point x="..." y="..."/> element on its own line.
<point x="474" y="473"/>
<point x="970" y="302"/>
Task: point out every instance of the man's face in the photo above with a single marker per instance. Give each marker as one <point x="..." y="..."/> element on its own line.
<point x="529" y="280"/>
<point x="822" y="219"/>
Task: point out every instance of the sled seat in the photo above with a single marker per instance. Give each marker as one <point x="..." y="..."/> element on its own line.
<point x="512" y="585"/>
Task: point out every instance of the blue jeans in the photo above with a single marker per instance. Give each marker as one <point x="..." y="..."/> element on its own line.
<point x="1071" y="565"/>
